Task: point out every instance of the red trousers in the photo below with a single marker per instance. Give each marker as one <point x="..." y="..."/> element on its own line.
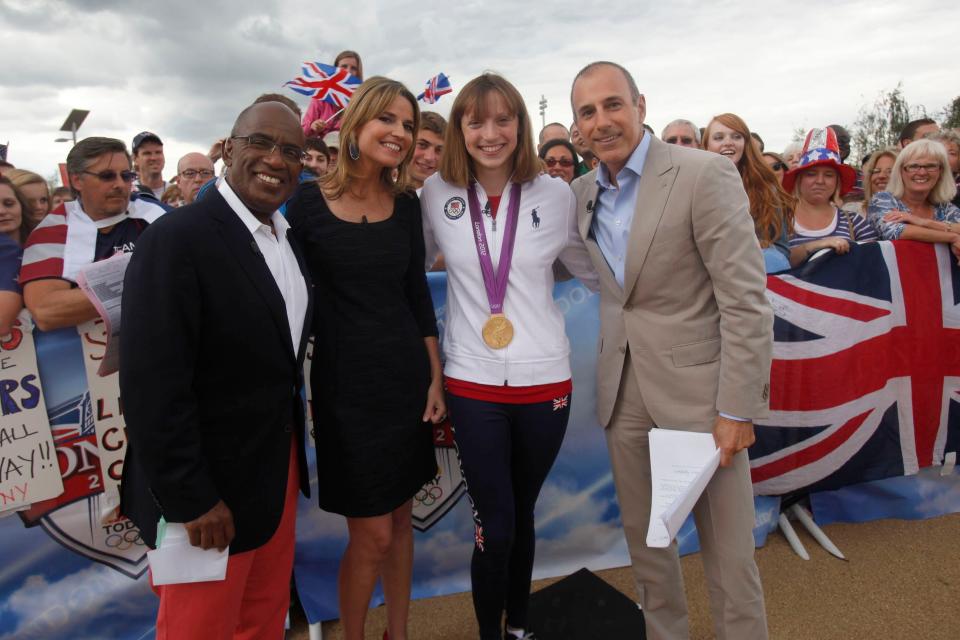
<point x="252" y="602"/>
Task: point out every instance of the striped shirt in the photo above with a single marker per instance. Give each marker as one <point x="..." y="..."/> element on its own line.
<point x="66" y="239"/>
<point x="863" y="230"/>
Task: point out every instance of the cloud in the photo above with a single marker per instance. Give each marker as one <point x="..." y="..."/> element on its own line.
<point x="95" y="602"/>
<point x="186" y="70"/>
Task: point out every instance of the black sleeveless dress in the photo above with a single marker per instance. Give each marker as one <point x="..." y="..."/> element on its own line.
<point x="370" y="371"/>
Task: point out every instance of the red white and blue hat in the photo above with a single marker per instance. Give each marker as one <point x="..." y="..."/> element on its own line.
<point x="821" y="149"/>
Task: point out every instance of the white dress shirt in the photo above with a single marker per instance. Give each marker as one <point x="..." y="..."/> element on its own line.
<point x="280" y="259"/>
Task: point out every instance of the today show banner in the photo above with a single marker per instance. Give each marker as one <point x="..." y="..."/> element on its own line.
<point x="67" y="570"/>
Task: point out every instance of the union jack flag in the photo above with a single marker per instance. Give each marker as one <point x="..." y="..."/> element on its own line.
<point x="865" y="382"/>
<point x="325" y="82"/>
<point x="561" y="403"/>
<point x="438" y="85"/>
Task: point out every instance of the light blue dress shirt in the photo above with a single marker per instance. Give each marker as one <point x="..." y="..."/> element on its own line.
<point x="613" y="212"/>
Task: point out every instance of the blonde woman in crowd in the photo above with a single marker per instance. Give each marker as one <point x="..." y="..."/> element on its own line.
<point x="916" y="204"/>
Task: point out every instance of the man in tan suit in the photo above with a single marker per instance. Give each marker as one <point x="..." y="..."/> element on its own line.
<point x="685" y="340"/>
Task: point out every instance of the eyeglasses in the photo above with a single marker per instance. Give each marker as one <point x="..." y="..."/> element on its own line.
<point x="265" y="145"/>
<point x="778" y="166"/>
<point x="206" y="174"/>
<point x="563" y="162"/>
<point x="678" y="140"/>
<point x="111" y="176"/>
<point x="929" y="168"/>
<point x="885" y="172"/>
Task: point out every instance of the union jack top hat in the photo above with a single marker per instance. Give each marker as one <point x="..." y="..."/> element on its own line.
<point x="820" y="148"/>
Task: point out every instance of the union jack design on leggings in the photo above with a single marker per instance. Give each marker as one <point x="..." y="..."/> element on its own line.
<point x="561" y="403"/>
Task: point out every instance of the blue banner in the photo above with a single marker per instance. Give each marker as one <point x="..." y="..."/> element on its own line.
<point x="64" y="575"/>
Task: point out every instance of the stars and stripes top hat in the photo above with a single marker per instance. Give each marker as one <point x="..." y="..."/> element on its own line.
<point x="820" y="148"/>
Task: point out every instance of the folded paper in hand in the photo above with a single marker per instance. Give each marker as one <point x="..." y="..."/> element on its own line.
<point x="681" y="465"/>
<point x="176" y="561"/>
<point x="102" y="282"/>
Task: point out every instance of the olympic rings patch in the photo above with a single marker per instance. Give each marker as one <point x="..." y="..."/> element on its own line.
<point x="454" y="208"/>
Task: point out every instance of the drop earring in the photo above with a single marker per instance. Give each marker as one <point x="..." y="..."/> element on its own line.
<point x="353" y="150"/>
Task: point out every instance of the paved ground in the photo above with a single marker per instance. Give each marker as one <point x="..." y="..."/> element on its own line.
<point x="902" y="582"/>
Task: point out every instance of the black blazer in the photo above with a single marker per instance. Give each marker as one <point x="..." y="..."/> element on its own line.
<point x="209" y="380"/>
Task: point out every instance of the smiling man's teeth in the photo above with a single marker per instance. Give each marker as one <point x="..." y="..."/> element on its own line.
<point x="268" y="179"/>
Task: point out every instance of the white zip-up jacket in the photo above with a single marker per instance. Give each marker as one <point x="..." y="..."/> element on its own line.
<point x="546" y="231"/>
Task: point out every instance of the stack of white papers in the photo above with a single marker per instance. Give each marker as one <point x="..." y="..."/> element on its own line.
<point x="176" y="561"/>
<point x="681" y="465"/>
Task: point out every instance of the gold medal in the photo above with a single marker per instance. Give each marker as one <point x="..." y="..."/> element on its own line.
<point x="497" y="331"/>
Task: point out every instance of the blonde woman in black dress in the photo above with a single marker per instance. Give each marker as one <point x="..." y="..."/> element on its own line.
<point x="376" y="376"/>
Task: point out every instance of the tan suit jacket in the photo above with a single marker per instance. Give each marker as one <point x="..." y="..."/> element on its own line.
<point x="693" y="309"/>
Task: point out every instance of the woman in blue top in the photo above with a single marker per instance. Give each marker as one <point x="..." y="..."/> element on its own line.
<point x="916" y="204"/>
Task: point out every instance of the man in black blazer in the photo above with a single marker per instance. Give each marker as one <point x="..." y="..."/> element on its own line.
<point x="215" y="320"/>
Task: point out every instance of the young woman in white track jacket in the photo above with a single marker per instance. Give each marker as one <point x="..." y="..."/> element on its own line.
<point x="507" y="367"/>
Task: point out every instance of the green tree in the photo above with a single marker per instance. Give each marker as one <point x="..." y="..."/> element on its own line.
<point x="879" y="125"/>
<point x="951" y="115"/>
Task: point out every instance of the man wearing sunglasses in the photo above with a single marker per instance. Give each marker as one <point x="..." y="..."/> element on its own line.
<point x="104" y="220"/>
<point x="682" y="132"/>
<point x="212" y="396"/>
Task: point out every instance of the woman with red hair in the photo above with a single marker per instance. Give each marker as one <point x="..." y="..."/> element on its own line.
<point x="770" y="206"/>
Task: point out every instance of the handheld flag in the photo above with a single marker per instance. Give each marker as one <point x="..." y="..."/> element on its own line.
<point x="437" y="86"/>
<point x="325" y="82"/>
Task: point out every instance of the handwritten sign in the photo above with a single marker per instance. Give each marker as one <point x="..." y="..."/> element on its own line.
<point x="107" y="415"/>
<point x="29" y="467"/>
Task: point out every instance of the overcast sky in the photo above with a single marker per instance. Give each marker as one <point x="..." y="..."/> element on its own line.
<point x="184" y="69"/>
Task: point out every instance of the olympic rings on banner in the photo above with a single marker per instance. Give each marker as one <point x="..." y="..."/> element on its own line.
<point x="429" y="497"/>
<point x="123" y="542"/>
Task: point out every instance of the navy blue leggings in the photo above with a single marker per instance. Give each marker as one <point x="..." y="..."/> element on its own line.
<point x="506" y="451"/>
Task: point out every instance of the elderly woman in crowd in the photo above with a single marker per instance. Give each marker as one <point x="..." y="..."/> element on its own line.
<point x="322" y="117"/>
<point x="770" y="206"/>
<point x="560" y="159"/>
<point x="12" y="234"/>
<point x="818" y="182"/>
<point x="36" y="192"/>
<point x="916" y="204"/>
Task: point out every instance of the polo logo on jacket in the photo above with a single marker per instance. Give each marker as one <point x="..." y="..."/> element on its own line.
<point x="454" y="208"/>
<point x="535" y="219"/>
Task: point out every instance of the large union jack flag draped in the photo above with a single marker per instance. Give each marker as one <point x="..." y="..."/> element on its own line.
<point x="865" y="382"/>
<point x="325" y="82"/>
<point x="438" y="85"/>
